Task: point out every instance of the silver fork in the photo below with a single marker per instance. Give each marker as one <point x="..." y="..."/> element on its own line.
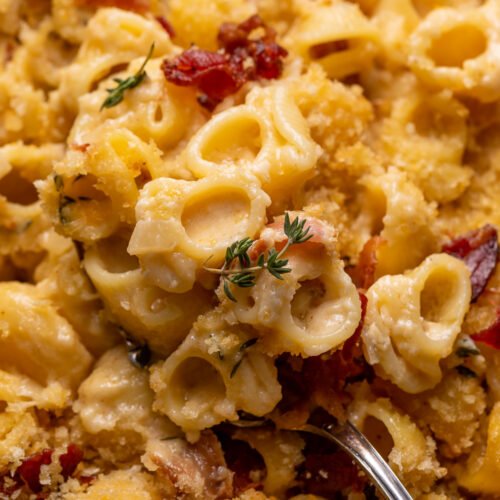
<point x="355" y="444"/>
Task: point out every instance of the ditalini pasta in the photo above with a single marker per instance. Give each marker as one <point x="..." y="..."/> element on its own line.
<point x="221" y="220"/>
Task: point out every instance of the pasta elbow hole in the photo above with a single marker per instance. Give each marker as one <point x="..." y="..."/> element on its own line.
<point x="437" y="298"/>
<point x="246" y="462"/>
<point x="216" y="217"/>
<point x="196" y="382"/>
<point x="452" y="48"/>
<point x="17" y="189"/>
<point x="81" y="199"/>
<point x="306" y="300"/>
<point x="238" y="142"/>
<point x="114" y="258"/>
<point x="158" y="116"/>
<point x="379" y="436"/>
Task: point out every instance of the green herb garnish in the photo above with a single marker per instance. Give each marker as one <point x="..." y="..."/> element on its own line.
<point x="465" y="352"/>
<point x="58" y="181"/>
<point x="244" y="276"/>
<point x="116" y="95"/>
<point x="220" y="354"/>
<point x="169" y="438"/>
<point x="64" y="201"/>
<point x="242" y="351"/>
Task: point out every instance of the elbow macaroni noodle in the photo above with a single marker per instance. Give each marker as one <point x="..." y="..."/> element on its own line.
<point x="413" y="320"/>
<point x="153" y="294"/>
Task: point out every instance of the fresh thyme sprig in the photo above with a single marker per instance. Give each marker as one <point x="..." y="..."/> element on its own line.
<point x="244" y="276"/>
<point x="116" y="95"/>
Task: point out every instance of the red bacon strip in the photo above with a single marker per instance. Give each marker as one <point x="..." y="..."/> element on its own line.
<point x="242" y="460"/>
<point x="241" y="59"/>
<point x="363" y="274"/>
<point x="29" y="471"/>
<point x="490" y="335"/>
<point x="347" y="351"/>
<point x="479" y="250"/>
<point x="328" y="474"/>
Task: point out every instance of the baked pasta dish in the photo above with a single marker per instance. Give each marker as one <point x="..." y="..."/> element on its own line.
<point x="216" y="211"/>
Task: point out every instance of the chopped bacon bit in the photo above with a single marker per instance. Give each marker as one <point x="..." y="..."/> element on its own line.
<point x="203" y="459"/>
<point x="479" y="250"/>
<point x="363" y="274"/>
<point x="219" y="74"/>
<point x="166" y="26"/>
<point x="326" y="470"/>
<point x="350" y="344"/>
<point x="490" y="335"/>
<point x="70" y="460"/>
<point x="87" y="479"/>
<point x="140" y="6"/>
<point x="29" y="471"/>
<point x="242" y="459"/>
<point x="216" y="75"/>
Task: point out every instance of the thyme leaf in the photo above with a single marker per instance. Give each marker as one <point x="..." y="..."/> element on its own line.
<point x="242" y="350"/>
<point x="245" y="275"/>
<point x="235" y="368"/>
<point x="248" y="343"/>
<point x="465" y="352"/>
<point x="220" y="354"/>
<point x="116" y="95"/>
<point x="58" y="181"/>
<point x="64" y="201"/>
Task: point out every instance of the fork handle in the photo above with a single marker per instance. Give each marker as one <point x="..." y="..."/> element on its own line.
<point x="367" y="457"/>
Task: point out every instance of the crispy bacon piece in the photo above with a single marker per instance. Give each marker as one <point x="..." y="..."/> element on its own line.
<point x="69" y="461"/>
<point x="241" y="59"/>
<point x="242" y="460"/>
<point x="326" y="470"/>
<point x="29" y="471"/>
<point x="479" y="250"/>
<point x="490" y="335"/>
<point x="204" y="459"/>
<point x="350" y="344"/>
<point x="166" y="26"/>
<point x="140" y="6"/>
<point x="217" y="75"/>
<point x="327" y="474"/>
<point x="363" y="274"/>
